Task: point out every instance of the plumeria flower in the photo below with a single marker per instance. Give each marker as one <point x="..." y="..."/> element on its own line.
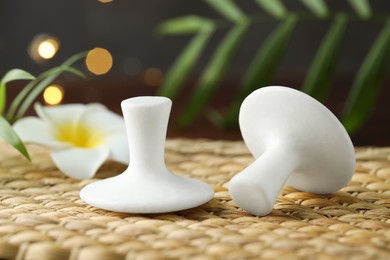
<point x="80" y="137"/>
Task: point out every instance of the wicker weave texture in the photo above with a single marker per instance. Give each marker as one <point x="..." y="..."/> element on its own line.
<point x="42" y="216"/>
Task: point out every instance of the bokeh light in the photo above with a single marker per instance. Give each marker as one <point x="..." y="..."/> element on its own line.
<point x="53" y="95"/>
<point x="99" y="61"/>
<point x="43" y="47"/>
<point x="105" y="1"/>
<point x="48" y="48"/>
<point x="153" y="77"/>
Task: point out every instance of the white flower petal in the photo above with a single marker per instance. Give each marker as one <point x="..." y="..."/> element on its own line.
<point x="32" y="129"/>
<point x="102" y="119"/>
<point x="119" y="149"/>
<point x="67" y="126"/>
<point x="80" y="163"/>
<point x="69" y="113"/>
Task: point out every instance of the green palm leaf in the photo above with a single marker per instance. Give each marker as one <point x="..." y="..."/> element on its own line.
<point x="318" y="7"/>
<point x="318" y="80"/>
<point x="273" y="7"/>
<point x="262" y="68"/>
<point x="361" y="7"/>
<point x="184" y="25"/>
<point x="324" y="64"/>
<point x="228" y="9"/>
<point x="213" y="73"/>
<point x="184" y="63"/>
<point x="367" y="84"/>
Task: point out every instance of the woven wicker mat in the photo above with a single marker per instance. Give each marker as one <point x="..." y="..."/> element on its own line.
<point x="42" y="216"/>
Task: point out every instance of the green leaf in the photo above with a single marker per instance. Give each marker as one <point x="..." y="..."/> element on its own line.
<point x="41" y="85"/>
<point x="228" y="9"/>
<point x="367" y="84"/>
<point x="183" y="65"/>
<point x="361" y="7"/>
<point x="75" y="72"/>
<point x="74" y="58"/>
<point x="318" y="7"/>
<point x="48" y="76"/>
<point x="24" y="92"/>
<point x="261" y="69"/>
<point x="321" y="72"/>
<point x="273" y="7"/>
<point x="10" y="136"/>
<point x="14" y="74"/>
<point x="213" y="73"/>
<point x="184" y="25"/>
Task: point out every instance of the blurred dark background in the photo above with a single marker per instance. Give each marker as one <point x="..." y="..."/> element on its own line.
<point x="141" y="57"/>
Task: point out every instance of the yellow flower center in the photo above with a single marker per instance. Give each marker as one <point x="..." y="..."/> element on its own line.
<point x="79" y="135"/>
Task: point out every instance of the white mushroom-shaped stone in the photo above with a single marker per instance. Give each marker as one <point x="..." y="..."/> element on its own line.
<point x="296" y="141"/>
<point x="147" y="186"/>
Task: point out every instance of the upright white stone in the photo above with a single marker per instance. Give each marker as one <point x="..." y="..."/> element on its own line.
<point x="146" y="186"/>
